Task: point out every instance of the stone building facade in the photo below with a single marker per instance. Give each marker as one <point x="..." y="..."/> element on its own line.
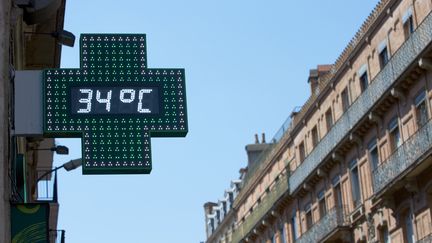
<point x="27" y="42"/>
<point x="354" y="164"/>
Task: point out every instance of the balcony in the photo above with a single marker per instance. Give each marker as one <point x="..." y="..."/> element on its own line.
<point x="404" y="156"/>
<point x="381" y="84"/>
<point x="426" y="239"/>
<point x="330" y="223"/>
<point x="262" y="209"/>
<point x="47" y="193"/>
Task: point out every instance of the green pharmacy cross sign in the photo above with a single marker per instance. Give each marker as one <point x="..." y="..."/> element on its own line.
<point x="115" y="103"/>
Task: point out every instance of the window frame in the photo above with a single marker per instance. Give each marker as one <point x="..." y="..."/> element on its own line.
<point x="321" y="199"/>
<point x="308" y="216"/>
<point x="282" y="233"/>
<point x="355" y="187"/>
<point x="408" y="215"/>
<point x="315" y="136"/>
<point x="293" y="223"/>
<point x="408" y="22"/>
<point x="302" y="151"/>
<point x="373" y="146"/>
<point x="363" y="77"/>
<point x="337" y="190"/>
<point x="420" y="100"/>
<point x="392" y="127"/>
<point x="329" y="116"/>
<point x="345" y="100"/>
<point x="383" y="53"/>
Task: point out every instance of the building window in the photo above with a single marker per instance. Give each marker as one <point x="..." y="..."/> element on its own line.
<point x="337" y="191"/>
<point x="273" y="238"/>
<point x="363" y="77"/>
<point x="421" y="109"/>
<point x="294" y="227"/>
<point x="395" y="139"/>
<point x="308" y="214"/>
<point x="315" y="137"/>
<point x="322" y="204"/>
<point x="408" y="23"/>
<point x="364" y="81"/>
<point x="383" y="56"/>
<point x="282" y="233"/>
<point x="384" y="235"/>
<point x="302" y="151"/>
<point x="409" y="229"/>
<point x="329" y="119"/>
<point x="355" y="183"/>
<point x="345" y="99"/>
<point x="373" y="153"/>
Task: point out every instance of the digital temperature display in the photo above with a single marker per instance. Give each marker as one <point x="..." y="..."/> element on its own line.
<point x="115" y="104"/>
<point x="115" y="100"/>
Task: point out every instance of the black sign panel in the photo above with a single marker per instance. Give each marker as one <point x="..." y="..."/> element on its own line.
<point x="142" y="100"/>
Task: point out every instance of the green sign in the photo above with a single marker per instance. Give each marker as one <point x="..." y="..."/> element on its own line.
<point x="115" y="103"/>
<point x="29" y="223"/>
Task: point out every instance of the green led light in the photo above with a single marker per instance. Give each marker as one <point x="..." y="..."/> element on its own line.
<point x="131" y="103"/>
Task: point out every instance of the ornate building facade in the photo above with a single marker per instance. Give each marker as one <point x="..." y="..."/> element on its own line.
<point x="354" y="163"/>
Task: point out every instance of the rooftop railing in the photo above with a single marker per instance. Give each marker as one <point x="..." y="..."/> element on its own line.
<point x="399" y="62"/>
<point x="260" y="162"/>
<point x="334" y="218"/>
<point x="403" y="157"/>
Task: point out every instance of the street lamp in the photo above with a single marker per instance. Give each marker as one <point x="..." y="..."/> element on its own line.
<point x="59" y="149"/>
<point x="68" y="166"/>
<point x="63" y="37"/>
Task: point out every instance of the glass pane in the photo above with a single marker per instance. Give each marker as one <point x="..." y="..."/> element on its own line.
<point x="374" y="158"/>
<point x="355" y="186"/>
<point x="294" y="227"/>
<point x="409" y="229"/>
<point x="422" y="114"/>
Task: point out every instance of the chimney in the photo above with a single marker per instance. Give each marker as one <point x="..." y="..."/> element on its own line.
<point x="313" y="80"/>
<point x="254" y="150"/>
<point x="315" y="77"/>
<point x="243" y="172"/>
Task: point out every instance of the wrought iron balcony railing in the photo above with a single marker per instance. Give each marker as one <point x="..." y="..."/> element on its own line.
<point x="404" y="156"/>
<point x="426" y="239"/>
<point x="399" y="62"/>
<point x="262" y="209"/>
<point x="334" y="218"/>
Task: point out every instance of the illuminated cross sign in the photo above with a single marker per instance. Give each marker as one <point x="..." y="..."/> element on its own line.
<point x="115" y="103"/>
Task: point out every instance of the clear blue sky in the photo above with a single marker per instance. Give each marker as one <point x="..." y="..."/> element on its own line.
<point x="247" y="64"/>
